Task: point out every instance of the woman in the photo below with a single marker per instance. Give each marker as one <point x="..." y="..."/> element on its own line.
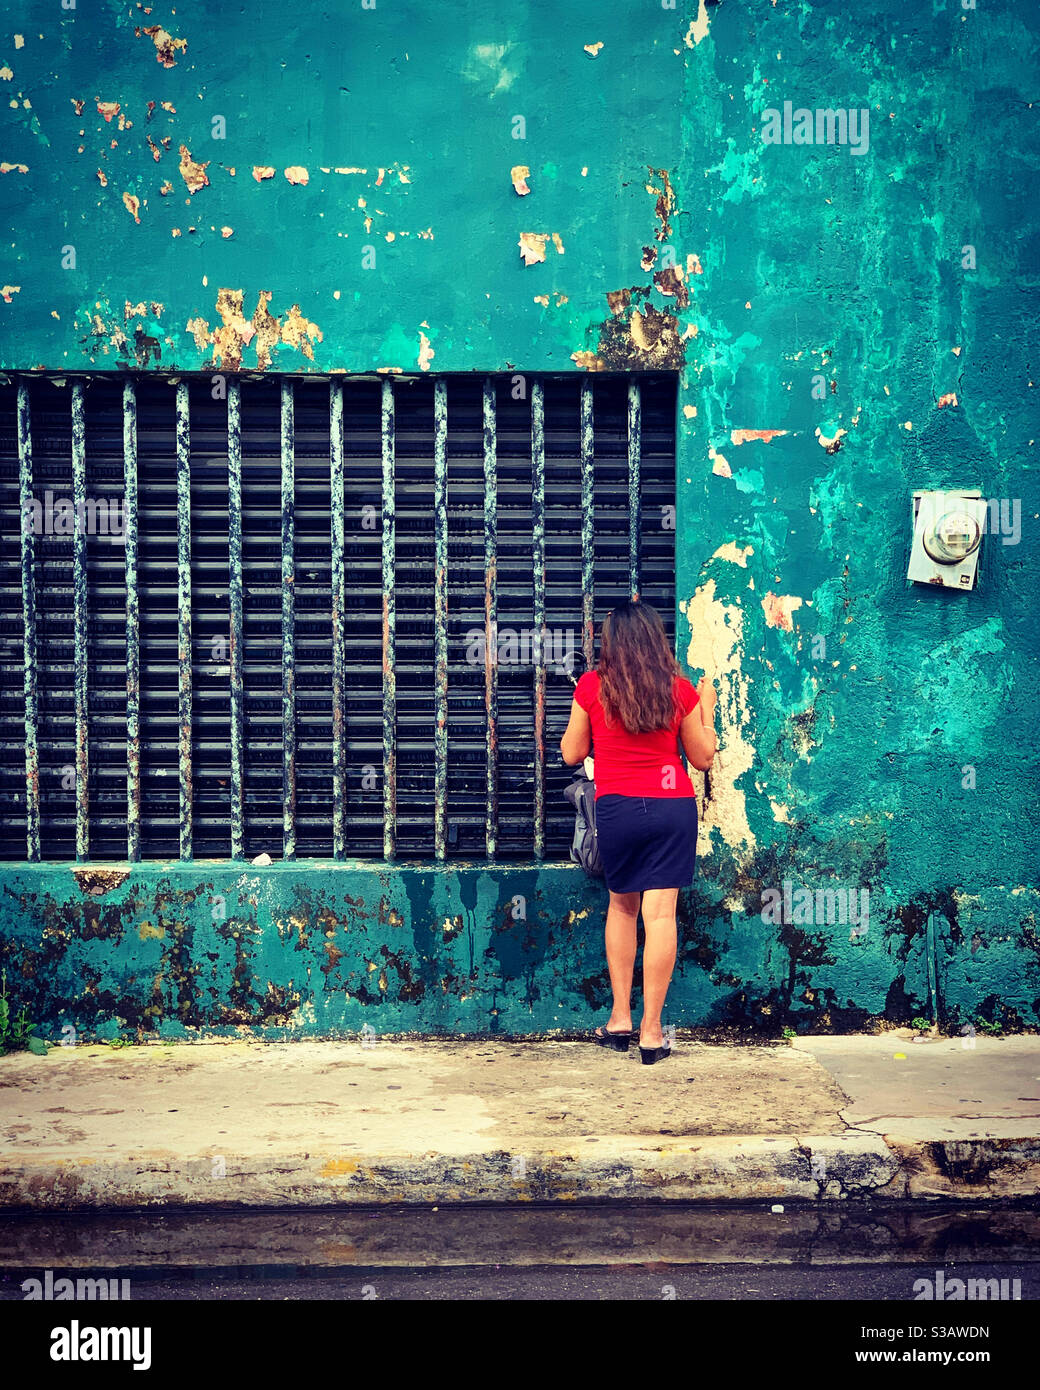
<point x="633" y="710"/>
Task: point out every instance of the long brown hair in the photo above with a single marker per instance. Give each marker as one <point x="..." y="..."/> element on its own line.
<point x="637" y="669"/>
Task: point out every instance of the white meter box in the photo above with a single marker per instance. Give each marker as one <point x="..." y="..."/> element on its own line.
<point x="948" y="530"/>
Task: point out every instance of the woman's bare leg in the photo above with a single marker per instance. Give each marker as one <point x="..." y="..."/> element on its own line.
<point x="658" y="960"/>
<point x="620" y="935"/>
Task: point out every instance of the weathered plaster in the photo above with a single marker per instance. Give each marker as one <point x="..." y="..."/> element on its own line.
<point x="833" y="354"/>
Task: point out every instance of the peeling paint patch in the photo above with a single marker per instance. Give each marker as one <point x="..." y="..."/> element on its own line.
<point x="649" y="257"/>
<point x="719" y="464"/>
<point x="235" y="332"/>
<point x="716" y="646"/>
<point x="166" y="46"/>
<point x="778" y="609"/>
<point x="532" y="246"/>
<point x="426" y="352"/>
<point x="97" y="882"/>
<point x="745" y="436"/>
<point x="519" y="174"/>
<point x="699" y="27"/>
<point x="670" y="283"/>
<point x="5" y="73"/>
<point x="734" y="553"/>
<point x="831" y="442"/>
<point x="950" y="398"/>
<point x="108" y="109"/>
<point x="263" y="171"/>
<point x="132" y="205"/>
<point x="6" y="168"/>
<point x="193" y="172"/>
<point x="638" y="338"/>
<point x="8" y="290"/>
<point x="592" y="49"/>
<point x="665" y="196"/>
<point x="296" y="173"/>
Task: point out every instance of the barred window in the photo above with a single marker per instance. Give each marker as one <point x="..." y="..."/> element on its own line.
<point x="317" y="617"/>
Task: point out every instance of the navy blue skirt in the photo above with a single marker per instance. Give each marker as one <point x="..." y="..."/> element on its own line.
<point x="646" y="841"/>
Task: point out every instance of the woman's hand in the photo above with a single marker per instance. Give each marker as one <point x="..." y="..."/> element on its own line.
<point x="706" y="694"/>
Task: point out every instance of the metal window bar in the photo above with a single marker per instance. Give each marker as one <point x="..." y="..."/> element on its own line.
<point x="490" y="441"/>
<point x="339" y="645"/>
<point x="635" y="431"/>
<point x="28" y="583"/>
<point x="545" y="506"/>
<point x="538" y="564"/>
<point x="133" y="628"/>
<point x="440" y="616"/>
<point x="588" y="527"/>
<point x="184" y="673"/>
<point x="236" y="681"/>
<point x="288" y="453"/>
<point x="79" y="588"/>
<point x="389" y="625"/>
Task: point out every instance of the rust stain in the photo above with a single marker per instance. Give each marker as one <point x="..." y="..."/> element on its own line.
<point x="166" y="46"/>
<point x="670" y="283"/>
<point x="665" y="202"/>
<point x="339" y="1167"/>
<point x="98" y="882"/>
<point x="619" y="300"/>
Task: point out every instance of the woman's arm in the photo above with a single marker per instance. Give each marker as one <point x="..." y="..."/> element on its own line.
<point x="697" y="730"/>
<point x="577" y="738"/>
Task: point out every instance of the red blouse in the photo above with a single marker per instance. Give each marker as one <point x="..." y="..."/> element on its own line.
<point x="636" y="764"/>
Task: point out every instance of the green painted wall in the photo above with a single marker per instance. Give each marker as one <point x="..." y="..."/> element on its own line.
<point x="874" y="735"/>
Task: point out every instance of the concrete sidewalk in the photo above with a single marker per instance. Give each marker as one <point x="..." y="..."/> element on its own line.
<point x="233" y="1124"/>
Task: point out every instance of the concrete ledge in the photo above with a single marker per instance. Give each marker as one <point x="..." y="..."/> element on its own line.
<point x="320" y="1124"/>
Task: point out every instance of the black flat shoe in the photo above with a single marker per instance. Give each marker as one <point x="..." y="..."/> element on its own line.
<point x="619" y="1042"/>
<point x="649" y="1055"/>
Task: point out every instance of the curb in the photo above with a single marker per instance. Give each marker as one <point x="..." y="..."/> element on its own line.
<point x="824" y="1169"/>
